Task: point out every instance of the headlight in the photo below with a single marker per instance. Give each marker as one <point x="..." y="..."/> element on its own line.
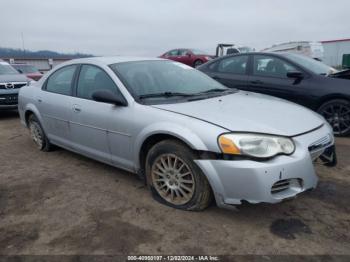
<point x="208" y="58"/>
<point x="255" y="145"/>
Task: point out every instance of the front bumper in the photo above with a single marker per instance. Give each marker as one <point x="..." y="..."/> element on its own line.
<point x="9" y="99"/>
<point x="270" y="181"/>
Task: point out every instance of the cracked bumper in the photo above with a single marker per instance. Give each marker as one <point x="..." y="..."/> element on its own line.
<point x="254" y="182"/>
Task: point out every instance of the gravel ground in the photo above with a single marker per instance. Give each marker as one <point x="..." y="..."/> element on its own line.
<point x="63" y="203"/>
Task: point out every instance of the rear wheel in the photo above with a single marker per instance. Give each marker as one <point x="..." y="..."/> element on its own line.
<point x="197" y="63"/>
<point x="337" y="113"/>
<point x="38" y="135"/>
<point x="174" y="177"/>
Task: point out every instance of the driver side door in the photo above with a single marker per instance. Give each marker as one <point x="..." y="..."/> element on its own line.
<point x="269" y="76"/>
<point x="91" y="131"/>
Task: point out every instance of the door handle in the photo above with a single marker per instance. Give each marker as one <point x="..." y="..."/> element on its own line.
<point x="76" y="108"/>
<point x="257" y="82"/>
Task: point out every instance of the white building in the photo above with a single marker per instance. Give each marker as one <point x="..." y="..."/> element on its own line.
<point x="334" y="51"/>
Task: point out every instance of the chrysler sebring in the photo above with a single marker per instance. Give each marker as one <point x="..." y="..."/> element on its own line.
<point x="190" y="138"/>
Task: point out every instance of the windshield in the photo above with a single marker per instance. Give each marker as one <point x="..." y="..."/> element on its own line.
<point x="311" y="64"/>
<point x="6" y="69"/>
<point x="198" y="52"/>
<point x="27" y="69"/>
<point x="146" y="78"/>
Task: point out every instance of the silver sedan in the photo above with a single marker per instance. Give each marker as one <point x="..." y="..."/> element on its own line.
<point x="190" y="138"/>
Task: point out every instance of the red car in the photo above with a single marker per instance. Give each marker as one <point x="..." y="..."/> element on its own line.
<point x="191" y="57"/>
<point x="29" y="70"/>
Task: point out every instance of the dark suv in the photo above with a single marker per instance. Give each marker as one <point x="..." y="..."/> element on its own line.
<point x="289" y="76"/>
<point x="10" y="83"/>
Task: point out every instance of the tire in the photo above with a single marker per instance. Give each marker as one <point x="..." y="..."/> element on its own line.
<point x="337" y="113"/>
<point x="170" y="184"/>
<point x="38" y="134"/>
<point x="197" y="63"/>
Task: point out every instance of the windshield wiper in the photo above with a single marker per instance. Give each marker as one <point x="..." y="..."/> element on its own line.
<point x="216" y="90"/>
<point x="164" y="94"/>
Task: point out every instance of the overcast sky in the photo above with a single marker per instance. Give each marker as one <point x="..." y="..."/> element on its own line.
<point x="150" y="27"/>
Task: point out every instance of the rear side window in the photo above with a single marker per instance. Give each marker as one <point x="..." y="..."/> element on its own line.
<point x="93" y="78"/>
<point x="173" y="53"/>
<point x="60" y="82"/>
<point x="233" y="65"/>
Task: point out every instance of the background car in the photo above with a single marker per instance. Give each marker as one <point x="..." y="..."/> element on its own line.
<point x="29" y="70"/>
<point x="10" y="82"/>
<point x="289" y="76"/>
<point x="345" y="74"/>
<point x="191" y="57"/>
<point x="187" y="135"/>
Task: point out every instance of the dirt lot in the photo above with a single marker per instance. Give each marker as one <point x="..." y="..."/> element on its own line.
<point x="63" y="203"/>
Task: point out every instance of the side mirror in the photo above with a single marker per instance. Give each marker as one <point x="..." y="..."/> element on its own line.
<point x="106" y="96"/>
<point x="189" y="54"/>
<point x="295" y="74"/>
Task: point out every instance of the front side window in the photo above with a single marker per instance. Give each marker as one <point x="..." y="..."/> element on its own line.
<point x="315" y="66"/>
<point x="198" y="52"/>
<point x="183" y="52"/>
<point x="91" y="79"/>
<point x="233" y="65"/>
<point x="60" y="82"/>
<point x="270" y="66"/>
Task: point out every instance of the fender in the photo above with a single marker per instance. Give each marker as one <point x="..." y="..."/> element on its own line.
<point x="168" y="128"/>
<point x="31" y="107"/>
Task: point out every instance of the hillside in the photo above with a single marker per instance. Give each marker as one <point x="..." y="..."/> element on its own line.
<point x="13" y="53"/>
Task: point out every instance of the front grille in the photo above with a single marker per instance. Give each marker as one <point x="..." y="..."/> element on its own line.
<point x="317" y="148"/>
<point x="12" y="85"/>
<point x="320" y="143"/>
<point x="9" y="99"/>
<point x="280" y="186"/>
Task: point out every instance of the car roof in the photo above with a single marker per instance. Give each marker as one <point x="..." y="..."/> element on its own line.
<point x="107" y="60"/>
<point x="21" y="64"/>
<point x="259" y="53"/>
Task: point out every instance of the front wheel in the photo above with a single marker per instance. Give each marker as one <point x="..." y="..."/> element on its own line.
<point x="174" y="177"/>
<point x="337" y="113"/>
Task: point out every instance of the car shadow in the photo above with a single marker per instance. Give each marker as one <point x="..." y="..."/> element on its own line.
<point x="8" y="114"/>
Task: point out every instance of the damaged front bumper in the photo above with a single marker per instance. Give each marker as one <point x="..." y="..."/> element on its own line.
<point x="283" y="177"/>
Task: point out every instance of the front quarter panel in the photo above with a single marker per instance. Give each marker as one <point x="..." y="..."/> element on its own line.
<point x="197" y="134"/>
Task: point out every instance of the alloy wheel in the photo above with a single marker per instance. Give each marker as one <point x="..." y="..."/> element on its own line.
<point x="36" y="134"/>
<point x="338" y="116"/>
<point x="173" y="179"/>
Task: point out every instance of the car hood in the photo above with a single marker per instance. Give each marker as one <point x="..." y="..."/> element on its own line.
<point x="250" y="112"/>
<point x="13" y="78"/>
<point x="345" y="74"/>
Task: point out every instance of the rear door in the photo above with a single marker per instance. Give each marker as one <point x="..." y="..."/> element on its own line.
<point x="269" y="76"/>
<point x="185" y="57"/>
<point x="54" y="103"/>
<point x="230" y="71"/>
